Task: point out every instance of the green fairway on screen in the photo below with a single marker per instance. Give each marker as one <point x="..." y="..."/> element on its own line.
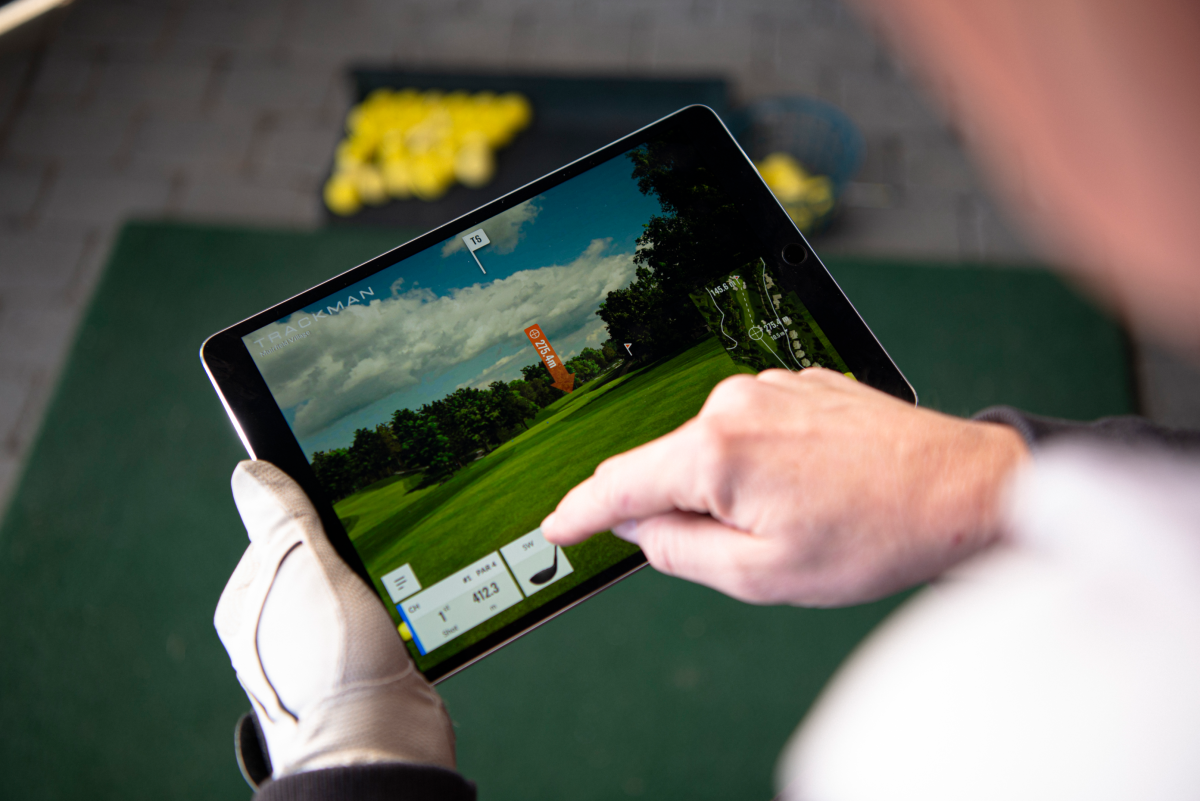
<point x="447" y="402"/>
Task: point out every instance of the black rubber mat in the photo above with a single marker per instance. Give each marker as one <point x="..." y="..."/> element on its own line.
<point x="572" y="117"/>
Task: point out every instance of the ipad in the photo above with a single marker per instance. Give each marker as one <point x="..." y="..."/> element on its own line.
<point x="437" y="401"/>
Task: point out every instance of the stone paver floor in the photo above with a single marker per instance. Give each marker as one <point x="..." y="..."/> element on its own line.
<point x="228" y="110"/>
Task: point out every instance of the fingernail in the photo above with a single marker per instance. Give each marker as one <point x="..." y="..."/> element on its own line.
<point x="627" y="531"/>
<point x="548" y="521"/>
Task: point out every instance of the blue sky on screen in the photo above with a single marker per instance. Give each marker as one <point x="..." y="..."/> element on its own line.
<point x="432" y="323"/>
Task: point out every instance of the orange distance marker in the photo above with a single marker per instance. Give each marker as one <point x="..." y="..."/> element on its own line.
<point x="558" y="371"/>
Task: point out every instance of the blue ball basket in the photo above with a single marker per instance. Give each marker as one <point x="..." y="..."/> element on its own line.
<point x="818" y="135"/>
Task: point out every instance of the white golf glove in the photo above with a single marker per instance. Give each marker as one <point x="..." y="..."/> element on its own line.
<point x="325" y="669"/>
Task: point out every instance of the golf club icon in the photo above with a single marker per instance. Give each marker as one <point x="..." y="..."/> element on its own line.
<point x="544" y="575"/>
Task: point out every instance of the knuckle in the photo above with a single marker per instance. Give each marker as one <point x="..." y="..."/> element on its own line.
<point x="609" y="491"/>
<point x="660" y="547"/>
<point x="717" y="457"/>
<point x="715" y="442"/>
<point x="776" y="375"/>
<point x="750" y="580"/>
<point x="712" y="434"/>
<point x="822" y="376"/>
<point x="733" y="394"/>
<point x="603" y="474"/>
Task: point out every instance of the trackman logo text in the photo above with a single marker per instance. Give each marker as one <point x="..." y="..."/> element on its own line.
<point x="294" y="332"/>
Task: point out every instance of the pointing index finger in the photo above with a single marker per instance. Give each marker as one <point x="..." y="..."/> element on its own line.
<point x="649" y="480"/>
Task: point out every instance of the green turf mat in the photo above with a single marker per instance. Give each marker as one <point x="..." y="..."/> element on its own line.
<point x="122" y="534"/>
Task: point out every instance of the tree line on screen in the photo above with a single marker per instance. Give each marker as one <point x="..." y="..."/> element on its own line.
<point x="700" y="235"/>
<point x="443" y="436"/>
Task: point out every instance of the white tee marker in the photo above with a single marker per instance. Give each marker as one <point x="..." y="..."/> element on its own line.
<point x="474" y="241"/>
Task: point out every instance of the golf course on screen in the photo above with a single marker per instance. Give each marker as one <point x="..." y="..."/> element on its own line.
<point x="505" y="494"/>
<point x="442" y="455"/>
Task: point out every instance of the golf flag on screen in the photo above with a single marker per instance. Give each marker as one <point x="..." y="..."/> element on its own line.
<point x="558" y="371"/>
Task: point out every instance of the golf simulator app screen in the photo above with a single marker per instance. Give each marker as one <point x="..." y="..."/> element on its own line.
<point x="478" y="592"/>
<point x="447" y="402"/>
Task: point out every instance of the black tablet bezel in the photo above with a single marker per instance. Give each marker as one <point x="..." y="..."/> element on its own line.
<point x="265" y="433"/>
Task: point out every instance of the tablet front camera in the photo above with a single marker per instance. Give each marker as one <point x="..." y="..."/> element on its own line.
<point x="794" y="253"/>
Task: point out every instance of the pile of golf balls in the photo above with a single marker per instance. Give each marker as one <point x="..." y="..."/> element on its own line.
<point x="407" y="143"/>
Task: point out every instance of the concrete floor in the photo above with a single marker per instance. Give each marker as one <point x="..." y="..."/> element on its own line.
<point x="228" y="110"/>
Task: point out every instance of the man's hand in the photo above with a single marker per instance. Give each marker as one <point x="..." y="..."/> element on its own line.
<point x="806" y="488"/>
<point x="326" y="672"/>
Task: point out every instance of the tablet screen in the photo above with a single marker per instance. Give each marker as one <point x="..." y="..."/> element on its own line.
<point x="447" y="402"/>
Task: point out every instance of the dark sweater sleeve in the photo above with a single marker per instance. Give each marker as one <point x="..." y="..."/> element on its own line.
<point x="1133" y="431"/>
<point x="386" y="782"/>
<point x="392" y="781"/>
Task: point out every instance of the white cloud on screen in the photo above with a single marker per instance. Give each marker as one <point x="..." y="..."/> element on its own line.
<point x="365" y="353"/>
<point x="504" y="230"/>
<point x="591" y="334"/>
<point x="494" y="371"/>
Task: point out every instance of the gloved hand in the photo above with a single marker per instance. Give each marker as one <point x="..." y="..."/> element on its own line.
<point x="325" y="669"/>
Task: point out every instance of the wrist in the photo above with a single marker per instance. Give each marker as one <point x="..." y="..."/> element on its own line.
<point x="967" y="508"/>
<point x="401" y="720"/>
<point x="999" y="453"/>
